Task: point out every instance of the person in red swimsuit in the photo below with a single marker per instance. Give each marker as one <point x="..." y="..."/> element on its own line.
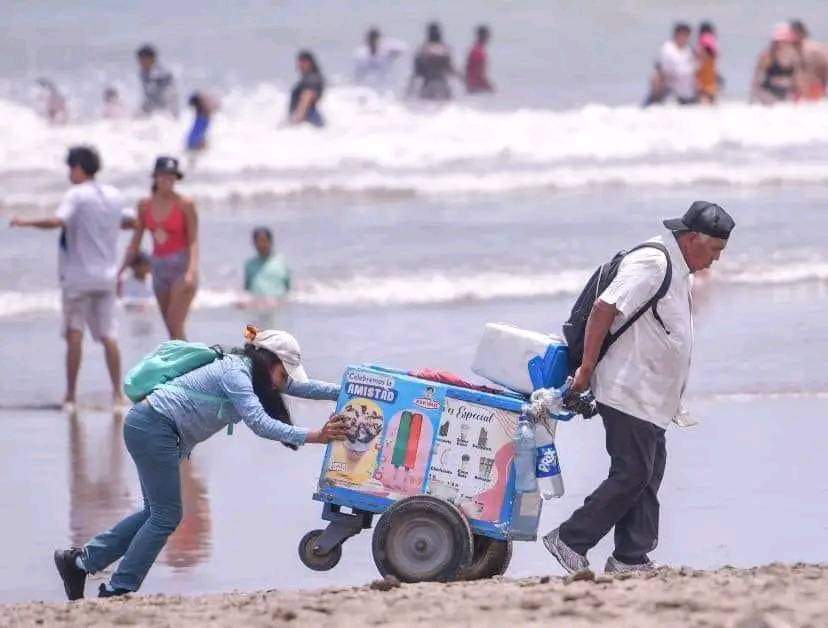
<point x="477" y="76"/>
<point x="173" y="223"/>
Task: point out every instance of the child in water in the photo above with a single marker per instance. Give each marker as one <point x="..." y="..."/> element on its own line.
<point x="266" y="275"/>
<point x="204" y="107"/>
<point x="113" y="108"/>
<point x="136" y="291"/>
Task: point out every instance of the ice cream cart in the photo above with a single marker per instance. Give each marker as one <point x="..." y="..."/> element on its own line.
<point x="434" y="461"/>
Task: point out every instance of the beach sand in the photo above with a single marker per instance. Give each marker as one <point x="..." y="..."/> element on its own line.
<point x="771" y="596"/>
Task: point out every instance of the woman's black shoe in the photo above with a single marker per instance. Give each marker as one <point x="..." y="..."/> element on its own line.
<point x="104" y="592"/>
<point x="74" y="578"/>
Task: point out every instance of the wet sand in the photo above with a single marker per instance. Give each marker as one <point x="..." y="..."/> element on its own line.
<point x="772" y="596"/>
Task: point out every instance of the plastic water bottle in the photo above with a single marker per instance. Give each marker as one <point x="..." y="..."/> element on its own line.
<point x="554" y="401"/>
<point x="525" y="457"/>
<point x="547" y="465"/>
<point x="526" y="510"/>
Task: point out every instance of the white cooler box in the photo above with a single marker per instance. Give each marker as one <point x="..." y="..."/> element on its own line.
<point x="521" y="360"/>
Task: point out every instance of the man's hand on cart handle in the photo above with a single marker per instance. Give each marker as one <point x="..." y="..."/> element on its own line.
<point x="583" y="374"/>
<point x="334" y="429"/>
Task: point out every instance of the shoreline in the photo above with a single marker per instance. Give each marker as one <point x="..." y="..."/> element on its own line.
<point x="772" y="596"/>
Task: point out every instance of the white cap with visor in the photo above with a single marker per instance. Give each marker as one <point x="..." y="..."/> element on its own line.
<point x="281" y="343"/>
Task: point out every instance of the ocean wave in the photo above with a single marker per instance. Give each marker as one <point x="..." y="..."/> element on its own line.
<point x="432" y="288"/>
<point x="376" y="145"/>
<point x="371" y="183"/>
<point x="785" y="273"/>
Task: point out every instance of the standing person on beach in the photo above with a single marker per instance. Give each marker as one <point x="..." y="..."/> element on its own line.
<point x="814" y="62"/>
<point x="173" y="223"/>
<point x="432" y="67"/>
<point x="778" y="75"/>
<point x="308" y="90"/>
<point x="157" y="82"/>
<point x="707" y="75"/>
<point x="477" y="63"/>
<point x="89" y="217"/>
<point x="675" y="70"/>
<point x="266" y="276"/>
<point x="639" y="384"/>
<point x="374" y="60"/>
<point x="162" y="430"/>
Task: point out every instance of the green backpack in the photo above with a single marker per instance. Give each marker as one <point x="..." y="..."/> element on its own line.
<point x="170" y="359"/>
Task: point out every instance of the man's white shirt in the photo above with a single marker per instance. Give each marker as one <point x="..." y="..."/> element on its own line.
<point x="91" y="215"/>
<point x="679" y="67"/>
<point x="644" y="373"/>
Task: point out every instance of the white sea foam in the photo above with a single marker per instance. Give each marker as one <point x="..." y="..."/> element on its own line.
<point x="433" y="288"/>
<point x="377" y="145"/>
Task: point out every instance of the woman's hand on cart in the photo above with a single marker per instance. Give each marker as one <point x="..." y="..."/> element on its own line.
<point x="335" y="428"/>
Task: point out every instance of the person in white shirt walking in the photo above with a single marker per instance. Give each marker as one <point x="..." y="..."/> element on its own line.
<point x="675" y="70"/>
<point x="89" y="216"/>
<point x="639" y="383"/>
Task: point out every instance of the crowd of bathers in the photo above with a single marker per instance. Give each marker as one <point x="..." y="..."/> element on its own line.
<point x="792" y="67"/>
<point x="432" y="73"/>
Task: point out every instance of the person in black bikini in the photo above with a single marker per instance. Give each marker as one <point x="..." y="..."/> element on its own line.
<point x="432" y="68"/>
<point x="778" y="74"/>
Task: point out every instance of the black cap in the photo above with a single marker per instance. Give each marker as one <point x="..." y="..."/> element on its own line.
<point x="167" y="165"/>
<point x="86" y="157"/>
<point x="704" y="217"/>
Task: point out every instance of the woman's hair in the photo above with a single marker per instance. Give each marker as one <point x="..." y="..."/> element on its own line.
<point x="262" y="362"/>
<point x="307" y="55"/>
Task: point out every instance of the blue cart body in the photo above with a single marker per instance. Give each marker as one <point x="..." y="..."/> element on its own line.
<point x="412" y="436"/>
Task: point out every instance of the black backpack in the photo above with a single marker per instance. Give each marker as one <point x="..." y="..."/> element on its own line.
<point x="575" y="328"/>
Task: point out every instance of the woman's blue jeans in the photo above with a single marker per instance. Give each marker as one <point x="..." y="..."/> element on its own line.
<point x="153" y="443"/>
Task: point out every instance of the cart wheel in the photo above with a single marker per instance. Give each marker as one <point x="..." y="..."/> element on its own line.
<point x="422" y="538"/>
<point x="490" y="558"/>
<point x="313" y="559"/>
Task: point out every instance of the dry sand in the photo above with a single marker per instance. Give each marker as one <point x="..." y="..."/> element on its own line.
<point x="763" y="597"/>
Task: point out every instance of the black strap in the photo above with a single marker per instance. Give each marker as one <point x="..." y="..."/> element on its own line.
<point x="652" y="303"/>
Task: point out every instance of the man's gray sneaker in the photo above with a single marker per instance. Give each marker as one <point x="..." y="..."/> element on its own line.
<point x="569" y="559"/>
<point x="615" y="566"/>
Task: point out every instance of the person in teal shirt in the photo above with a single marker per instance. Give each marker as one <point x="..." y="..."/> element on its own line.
<point x="266" y="275"/>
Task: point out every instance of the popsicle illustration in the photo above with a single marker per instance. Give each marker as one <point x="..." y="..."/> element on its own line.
<point x="398" y="457"/>
<point x="413" y="441"/>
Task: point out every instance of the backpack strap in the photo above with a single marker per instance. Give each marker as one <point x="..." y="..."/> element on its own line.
<point x="652" y="304"/>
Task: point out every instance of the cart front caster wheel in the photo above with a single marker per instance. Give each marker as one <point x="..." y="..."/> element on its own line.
<point x="312" y="558"/>
<point x="491" y="557"/>
<point x="422" y="539"/>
